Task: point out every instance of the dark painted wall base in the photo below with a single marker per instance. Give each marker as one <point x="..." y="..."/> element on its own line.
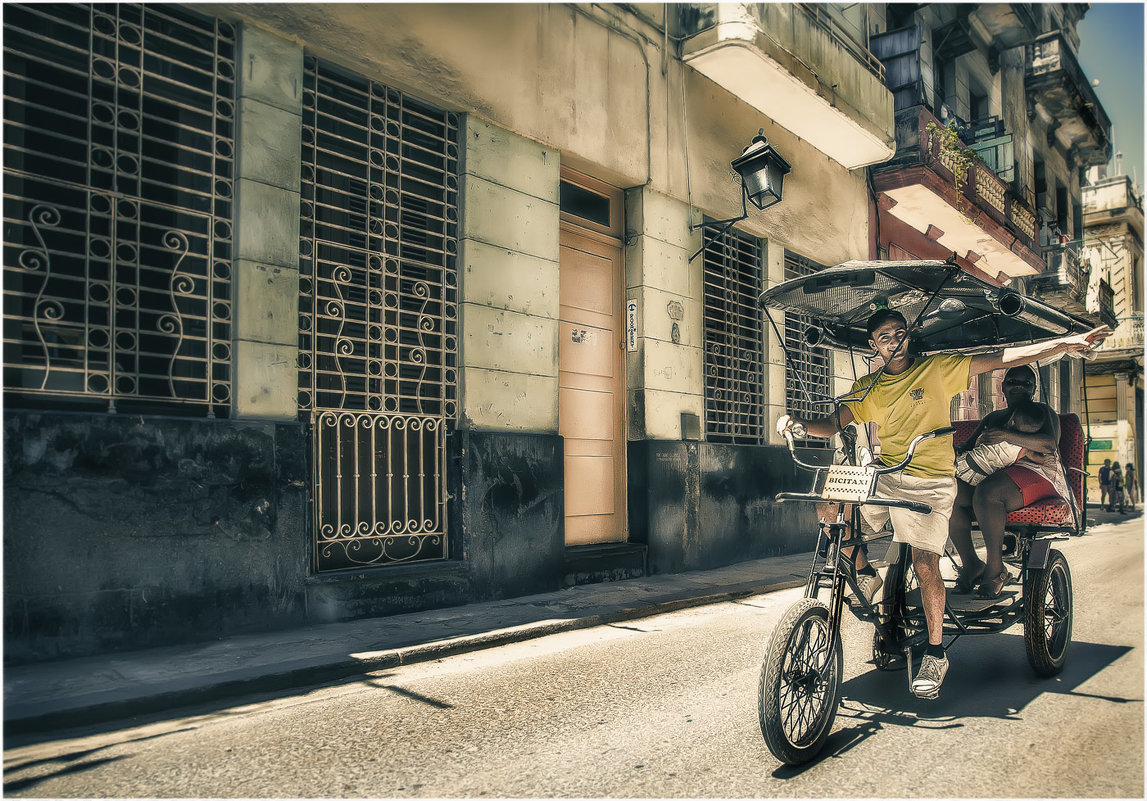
<point x="123" y="532"/>
<point x="130" y="532"/>
<point x="699" y="505"/>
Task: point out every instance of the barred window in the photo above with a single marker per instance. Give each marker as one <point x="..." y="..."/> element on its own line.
<point x="377" y="317"/>
<point x="734" y="340"/>
<point x="806" y="368"/>
<point x="378" y="256"/>
<point x="118" y="174"/>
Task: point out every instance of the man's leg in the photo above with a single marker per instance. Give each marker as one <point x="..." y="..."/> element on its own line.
<point x="927" y="567"/>
<point x="934" y="663"/>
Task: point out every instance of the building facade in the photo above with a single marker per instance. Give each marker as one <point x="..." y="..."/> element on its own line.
<point x="315" y="312"/>
<point x="1113" y="221"/>
<point x="323" y="311"/>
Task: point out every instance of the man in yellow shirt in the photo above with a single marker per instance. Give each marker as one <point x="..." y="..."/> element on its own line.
<point x="908" y="397"/>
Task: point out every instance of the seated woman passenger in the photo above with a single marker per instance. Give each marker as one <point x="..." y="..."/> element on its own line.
<point x="976" y="464"/>
<point x="1039" y="475"/>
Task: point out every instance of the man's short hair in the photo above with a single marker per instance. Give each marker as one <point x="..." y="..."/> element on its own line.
<point x="881" y="316"/>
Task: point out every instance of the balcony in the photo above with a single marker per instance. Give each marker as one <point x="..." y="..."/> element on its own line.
<point x="984" y="220"/>
<point x="1064" y="283"/>
<point x="1101" y="303"/>
<point x="1113" y="200"/>
<point x="1059" y="94"/>
<point x="795" y="64"/>
<point x="1005" y="25"/>
<point x="1127" y="337"/>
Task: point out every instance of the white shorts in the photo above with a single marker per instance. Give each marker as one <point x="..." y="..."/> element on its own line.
<point x="926" y="532"/>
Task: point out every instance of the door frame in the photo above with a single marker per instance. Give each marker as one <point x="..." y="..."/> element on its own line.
<point x="613" y="235"/>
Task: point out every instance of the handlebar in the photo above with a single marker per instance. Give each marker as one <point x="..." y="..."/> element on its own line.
<point x="939" y="432"/>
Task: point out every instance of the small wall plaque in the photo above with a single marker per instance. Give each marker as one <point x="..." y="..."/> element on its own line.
<point x="631" y="325"/>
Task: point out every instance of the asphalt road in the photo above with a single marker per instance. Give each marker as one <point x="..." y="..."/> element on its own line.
<point x="661" y="707"/>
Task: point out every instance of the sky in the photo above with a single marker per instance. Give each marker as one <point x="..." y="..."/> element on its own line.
<point x="1111" y="50"/>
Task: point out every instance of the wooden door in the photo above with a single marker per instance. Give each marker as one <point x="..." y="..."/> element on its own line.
<point x="591" y="386"/>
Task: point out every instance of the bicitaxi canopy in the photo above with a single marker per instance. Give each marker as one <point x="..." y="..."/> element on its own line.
<point x="946" y="307"/>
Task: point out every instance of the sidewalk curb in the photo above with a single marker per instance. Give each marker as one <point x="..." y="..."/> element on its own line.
<point x="75" y="711"/>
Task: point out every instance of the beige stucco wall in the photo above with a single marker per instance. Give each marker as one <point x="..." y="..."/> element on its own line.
<point x="592" y="84"/>
<point x="663" y="378"/>
<point x="508" y="294"/>
<point x="265" y="329"/>
<point x="540" y="85"/>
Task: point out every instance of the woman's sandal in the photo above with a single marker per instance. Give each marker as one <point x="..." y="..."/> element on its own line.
<point x="965" y="583"/>
<point x="993" y="588"/>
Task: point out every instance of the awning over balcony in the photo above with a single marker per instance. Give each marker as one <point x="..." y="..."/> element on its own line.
<point x="789" y="61"/>
<point x="1061" y="95"/>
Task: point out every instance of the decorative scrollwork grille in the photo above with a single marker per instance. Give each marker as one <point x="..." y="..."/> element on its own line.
<point x="734" y="340"/>
<point x="118" y="174"/>
<point x="806" y="368"/>
<point x="378" y="316"/>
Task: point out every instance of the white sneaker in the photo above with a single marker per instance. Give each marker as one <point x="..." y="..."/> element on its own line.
<point x="931" y="676"/>
<point x="869" y="585"/>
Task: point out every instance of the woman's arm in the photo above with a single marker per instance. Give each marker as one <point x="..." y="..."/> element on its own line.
<point x="988" y="421"/>
<point x="1043" y="443"/>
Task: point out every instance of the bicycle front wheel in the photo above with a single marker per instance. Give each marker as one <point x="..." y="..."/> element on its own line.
<point x="799" y="689"/>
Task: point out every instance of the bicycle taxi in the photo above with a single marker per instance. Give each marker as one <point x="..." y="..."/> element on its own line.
<point x="947" y="309"/>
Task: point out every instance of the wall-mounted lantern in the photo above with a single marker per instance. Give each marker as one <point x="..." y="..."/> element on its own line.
<point x="762" y="170"/>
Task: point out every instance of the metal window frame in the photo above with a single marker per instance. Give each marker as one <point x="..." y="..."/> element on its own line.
<point x="117" y="205"/>
<point x="377" y="317"/>
<point x="733" y="275"/>
<point x="807" y="368"/>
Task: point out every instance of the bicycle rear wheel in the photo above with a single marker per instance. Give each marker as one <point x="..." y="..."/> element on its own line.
<point x="1047" y="624"/>
<point x="799" y="688"/>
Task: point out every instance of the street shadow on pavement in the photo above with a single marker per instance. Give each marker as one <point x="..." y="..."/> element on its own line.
<point x="989" y="677"/>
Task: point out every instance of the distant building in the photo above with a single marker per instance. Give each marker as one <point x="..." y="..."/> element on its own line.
<point x="1113" y="222"/>
<point x="995" y="123"/>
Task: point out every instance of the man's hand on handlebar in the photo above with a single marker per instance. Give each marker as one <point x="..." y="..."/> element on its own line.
<point x="786" y="422"/>
<point x="824" y="427"/>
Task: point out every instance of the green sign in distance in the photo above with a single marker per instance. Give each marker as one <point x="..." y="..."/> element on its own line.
<point x="1100" y="445"/>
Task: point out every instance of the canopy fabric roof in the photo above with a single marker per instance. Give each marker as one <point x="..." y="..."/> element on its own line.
<point x="960" y="311"/>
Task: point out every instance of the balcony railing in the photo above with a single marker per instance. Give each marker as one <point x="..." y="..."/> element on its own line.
<point x="982" y="186"/>
<point x="1101" y="302"/>
<point x="1128" y="335"/>
<point x="1064" y="283"/>
<point x="830" y="25"/>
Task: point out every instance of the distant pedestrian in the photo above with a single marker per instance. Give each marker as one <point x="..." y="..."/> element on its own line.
<point x="1115" y="496"/>
<point x="1105" y="483"/>
<point x="1131" y="484"/>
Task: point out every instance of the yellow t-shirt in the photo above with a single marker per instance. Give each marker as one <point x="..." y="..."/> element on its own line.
<point x="912" y="403"/>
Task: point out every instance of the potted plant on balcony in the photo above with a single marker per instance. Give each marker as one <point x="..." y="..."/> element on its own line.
<point x="953" y="155"/>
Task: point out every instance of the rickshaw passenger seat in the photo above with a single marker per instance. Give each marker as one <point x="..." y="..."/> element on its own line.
<point x="1048" y="511"/>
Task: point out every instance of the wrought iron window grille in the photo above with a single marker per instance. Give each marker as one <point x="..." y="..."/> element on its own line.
<point x="807" y="367"/>
<point x="734" y="340"/>
<point x="118" y="168"/>
<point x="378" y="317"/>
